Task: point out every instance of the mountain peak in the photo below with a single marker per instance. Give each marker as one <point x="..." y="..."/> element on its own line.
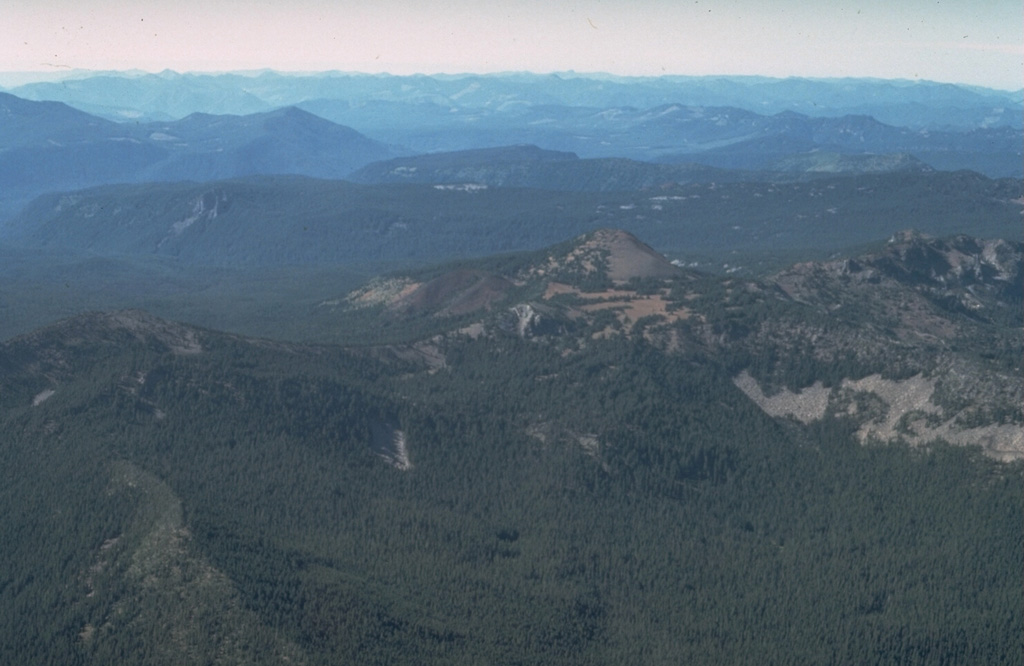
<point x="293" y="112"/>
<point x="621" y="254"/>
<point x="597" y="265"/>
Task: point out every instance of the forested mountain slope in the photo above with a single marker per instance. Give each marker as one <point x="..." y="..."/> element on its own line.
<point x="918" y="341"/>
<point x="580" y="455"/>
<point x="175" y="491"/>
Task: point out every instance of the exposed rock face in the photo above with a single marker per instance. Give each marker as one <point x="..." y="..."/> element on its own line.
<point x="390" y="445"/>
<point x="806" y="406"/>
<point x="205" y="207"/>
<point x="941" y="317"/>
<point x="960" y="263"/>
<point x="527" y="319"/>
<point x="889" y="410"/>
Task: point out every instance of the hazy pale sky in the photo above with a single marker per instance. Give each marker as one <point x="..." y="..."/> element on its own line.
<point x="978" y="42"/>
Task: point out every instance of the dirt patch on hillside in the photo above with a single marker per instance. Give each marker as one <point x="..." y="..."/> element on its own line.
<point x="628" y="258"/>
<point x="381" y="291"/>
<point x="629" y="305"/>
<point x="455" y="293"/>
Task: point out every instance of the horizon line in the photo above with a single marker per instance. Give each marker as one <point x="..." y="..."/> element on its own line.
<point x="66" y="72"/>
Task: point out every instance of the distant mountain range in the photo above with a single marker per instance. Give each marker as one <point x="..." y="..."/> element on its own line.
<point x="169" y="95"/>
<point x="726" y="137"/>
<point x="212" y="127"/>
<point x="47" y="147"/>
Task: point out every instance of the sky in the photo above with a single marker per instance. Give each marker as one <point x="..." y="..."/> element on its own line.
<point x="978" y="42"/>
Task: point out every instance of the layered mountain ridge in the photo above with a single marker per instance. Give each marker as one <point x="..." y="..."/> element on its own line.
<point x="274" y="136"/>
<point x="530" y="397"/>
<point x="919" y="104"/>
<point x="938" y="311"/>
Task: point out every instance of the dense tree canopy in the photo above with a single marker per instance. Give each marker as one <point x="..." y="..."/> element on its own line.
<point x="611" y="505"/>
